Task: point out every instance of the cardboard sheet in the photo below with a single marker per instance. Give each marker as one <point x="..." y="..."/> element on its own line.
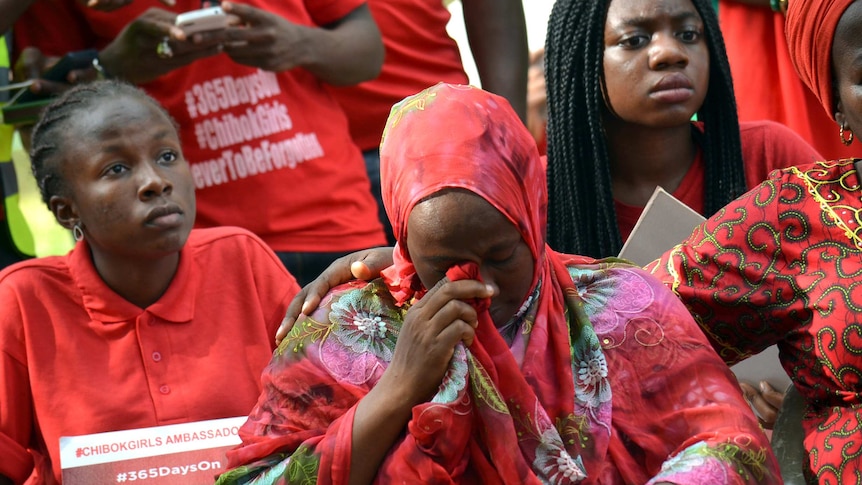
<point x="664" y="223"/>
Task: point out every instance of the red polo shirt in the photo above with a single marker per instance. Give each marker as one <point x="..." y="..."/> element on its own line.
<point x="76" y="358"/>
<point x="766" y="146"/>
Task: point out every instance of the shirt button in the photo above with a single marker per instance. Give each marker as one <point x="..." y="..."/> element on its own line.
<point x="165" y="390"/>
<point x="157" y="356"/>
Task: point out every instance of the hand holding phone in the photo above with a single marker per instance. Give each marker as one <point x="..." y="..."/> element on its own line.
<point x="202" y="20"/>
<point x="59" y="72"/>
<point x="25" y="107"/>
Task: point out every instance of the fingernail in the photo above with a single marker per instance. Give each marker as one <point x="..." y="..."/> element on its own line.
<point x="357" y="269"/>
<point x="306" y="309"/>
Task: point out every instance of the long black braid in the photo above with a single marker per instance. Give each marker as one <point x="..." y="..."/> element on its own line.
<point x="50" y="132"/>
<point x="581" y="215"/>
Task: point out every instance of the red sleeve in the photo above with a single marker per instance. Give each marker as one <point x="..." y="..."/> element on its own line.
<point x="768" y="146"/>
<point x="16" y="420"/>
<point x="731" y="290"/>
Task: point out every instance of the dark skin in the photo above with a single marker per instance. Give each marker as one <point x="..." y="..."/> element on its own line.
<point x="130" y="191"/>
<point x="646" y="122"/>
<point x="847" y="69"/>
<point x="497" y="33"/>
<point x="648" y="160"/>
<point x="765" y="400"/>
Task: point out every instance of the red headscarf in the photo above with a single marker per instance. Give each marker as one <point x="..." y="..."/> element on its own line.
<point x="461" y="145"/>
<point x="810" y="29"/>
<point x="459" y="136"/>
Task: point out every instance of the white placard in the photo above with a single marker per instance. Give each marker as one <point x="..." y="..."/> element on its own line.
<point x="188" y="453"/>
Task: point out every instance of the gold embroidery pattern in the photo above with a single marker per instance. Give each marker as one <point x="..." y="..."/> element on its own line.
<point x="830" y="200"/>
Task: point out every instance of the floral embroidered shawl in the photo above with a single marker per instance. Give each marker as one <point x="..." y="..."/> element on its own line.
<point x="608" y="379"/>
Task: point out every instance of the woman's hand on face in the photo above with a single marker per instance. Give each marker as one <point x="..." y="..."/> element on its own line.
<point x="363" y="265"/>
<point x="135" y="54"/>
<point x="432" y="328"/>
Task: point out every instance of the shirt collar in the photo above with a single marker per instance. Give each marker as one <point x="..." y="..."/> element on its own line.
<point x="106" y="306"/>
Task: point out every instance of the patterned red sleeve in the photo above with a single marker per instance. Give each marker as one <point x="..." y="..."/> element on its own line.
<point x="729" y="273"/>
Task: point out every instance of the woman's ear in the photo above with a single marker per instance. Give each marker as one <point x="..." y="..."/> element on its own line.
<point x="839" y="114"/>
<point x="64" y="211"/>
<point x="839" y="106"/>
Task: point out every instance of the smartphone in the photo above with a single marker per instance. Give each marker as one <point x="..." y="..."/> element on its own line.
<point x="26" y="107"/>
<point x="202" y="20"/>
<point x="59" y="71"/>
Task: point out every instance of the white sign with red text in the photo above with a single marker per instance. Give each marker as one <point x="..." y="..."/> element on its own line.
<point x="188" y="453"/>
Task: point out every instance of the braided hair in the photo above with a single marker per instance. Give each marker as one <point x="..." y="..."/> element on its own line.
<point x="581" y="215"/>
<point x="49" y="134"/>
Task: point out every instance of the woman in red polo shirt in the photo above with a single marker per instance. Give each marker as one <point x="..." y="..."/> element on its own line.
<point x="133" y="326"/>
